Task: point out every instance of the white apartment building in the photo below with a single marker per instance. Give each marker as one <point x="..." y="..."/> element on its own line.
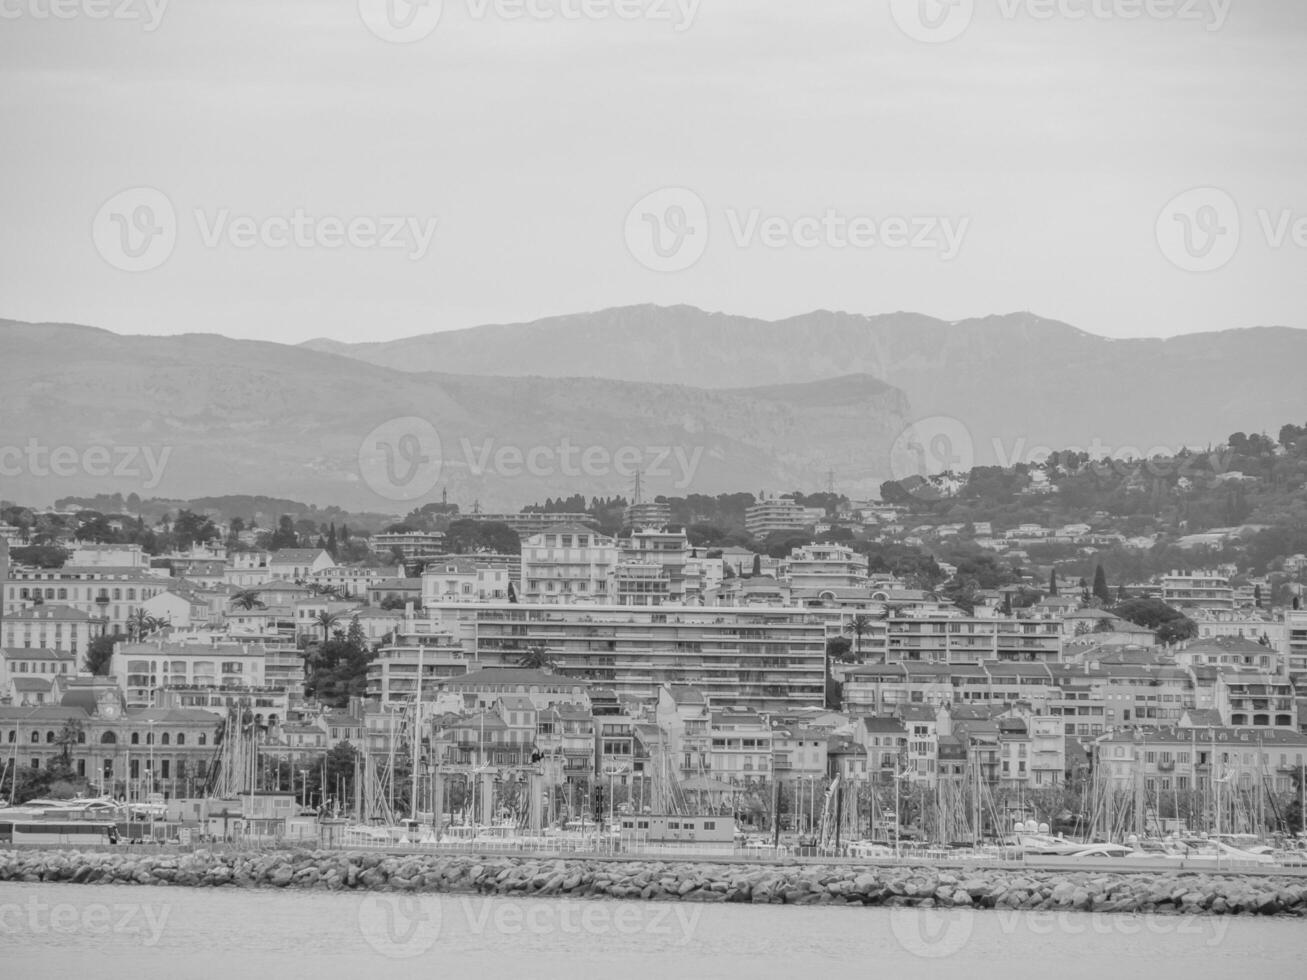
<point x="109" y="593"/>
<point x="110" y="555"/>
<point x="765" y="658"/>
<point x="1201" y="589"/>
<point x="52" y="627"/>
<point x="783" y="514"/>
<point x="819" y="568"/>
<point x="464" y="580"/>
<point x="570" y="563"/>
<point x="142" y="670"/>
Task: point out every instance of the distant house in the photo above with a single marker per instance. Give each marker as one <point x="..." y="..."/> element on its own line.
<point x="298" y="564"/>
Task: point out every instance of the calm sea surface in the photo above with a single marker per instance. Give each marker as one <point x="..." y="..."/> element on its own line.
<point x="142" y="932"/>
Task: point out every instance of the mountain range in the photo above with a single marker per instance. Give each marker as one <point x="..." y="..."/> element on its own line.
<point x="700" y="402"/>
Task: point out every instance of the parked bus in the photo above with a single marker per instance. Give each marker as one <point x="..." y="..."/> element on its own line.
<point x="82" y="833"/>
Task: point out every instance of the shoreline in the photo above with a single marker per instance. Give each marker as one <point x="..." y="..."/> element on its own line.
<point x="1187" y="892"/>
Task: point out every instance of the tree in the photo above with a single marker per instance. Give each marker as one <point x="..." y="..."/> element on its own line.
<point x="336" y="671"/>
<point x="284" y="536"/>
<point x="1052" y="581"/>
<point x="536" y="658"/>
<point x="859" y="626"/>
<point x="248" y="599"/>
<point x="99" y="654"/>
<point x="326" y="620"/>
<point x="141" y="624"/>
<point x="839" y="649"/>
<point x="1101" y="591"/>
<point x="1169" y="624"/>
<point x="71" y="734"/>
<point x="757" y="565"/>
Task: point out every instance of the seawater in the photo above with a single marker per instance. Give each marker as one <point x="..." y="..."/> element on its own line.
<point x="59" y="930"/>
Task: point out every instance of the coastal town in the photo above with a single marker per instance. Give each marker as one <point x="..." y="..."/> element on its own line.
<point x="834" y="674"/>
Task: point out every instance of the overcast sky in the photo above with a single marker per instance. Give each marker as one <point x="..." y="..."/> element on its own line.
<point x="1033" y="160"/>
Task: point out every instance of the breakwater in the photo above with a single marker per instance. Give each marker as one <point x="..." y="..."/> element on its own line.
<point x="1185" y="892"/>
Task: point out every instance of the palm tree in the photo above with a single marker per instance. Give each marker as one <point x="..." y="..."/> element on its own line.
<point x="71" y="734"/>
<point x="248" y="599"/>
<point x="326" y="620"/>
<point x="536" y="658"/>
<point x="141" y="624"/>
<point x="859" y="626"/>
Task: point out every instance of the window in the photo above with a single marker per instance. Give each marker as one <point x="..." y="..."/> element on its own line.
<point x="136" y="738"/>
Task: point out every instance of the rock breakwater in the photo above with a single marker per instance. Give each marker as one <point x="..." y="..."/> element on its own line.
<point x="1184" y="892"/>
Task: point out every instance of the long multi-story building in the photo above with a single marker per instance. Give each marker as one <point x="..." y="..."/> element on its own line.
<point x="1201" y="589"/>
<point x="106" y="593"/>
<point x="782" y="514"/>
<point x="955" y="639"/>
<point x="767" y="659"/>
<point x="144" y="670"/>
<point x="529" y="523"/>
<point x="411" y="545"/>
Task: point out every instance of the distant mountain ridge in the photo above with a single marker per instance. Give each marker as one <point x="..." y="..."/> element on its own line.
<point x="209" y="415"/>
<point x="1015" y="381"/>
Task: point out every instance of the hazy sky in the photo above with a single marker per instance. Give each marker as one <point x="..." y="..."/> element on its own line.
<point x="1033" y="159"/>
